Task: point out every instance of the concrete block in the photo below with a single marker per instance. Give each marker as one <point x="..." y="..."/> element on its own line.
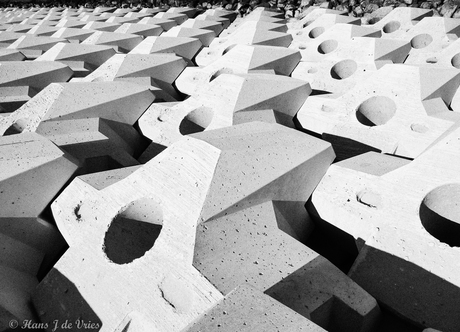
<point x="42" y="30"/>
<point x="69" y="101"/>
<point x="254" y="36"/>
<point x="152" y="11"/>
<point x="20" y="28"/>
<point x="39" y="236"/>
<point x="144" y="30"/>
<point x="205" y="36"/>
<point x="13" y="97"/>
<point x="224" y="21"/>
<point x="165" y="24"/>
<point x="101" y="10"/>
<point x="122" y="42"/>
<point x="418" y="285"/>
<point x="190" y="12"/>
<point x="321" y="25"/>
<point x="240" y="59"/>
<point x="214" y="107"/>
<point x="360" y="49"/>
<point x="79" y="68"/>
<point x="73" y="34"/>
<point x="410" y="234"/>
<point x="97" y="144"/>
<point x="311" y="14"/>
<point x="147" y="200"/>
<point x="177" y="17"/>
<point x="34" y="22"/>
<point x="339" y="32"/>
<point x="261" y="25"/>
<point x="249" y="247"/>
<point x="431" y="34"/>
<point x="162" y="68"/>
<point x="245" y="143"/>
<point x="92" y="18"/>
<point x="260" y="12"/>
<point x="101" y="26"/>
<point x="336" y="66"/>
<point x="34" y="74"/>
<point x="405" y="126"/>
<point x="401" y="19"/>
<point x="16" y="289"/>
<point x="181" y="46"/>
<point x="373" y="163"/>
<point x="7" y="38"/>
<point x="122" y="20"/>
<point x="247" y="309"/>
<point x="268" y="116"/>
<point x="138" y="15"/>
<point x="231" y="15"/>
<point x="201" y="24"/>
<point x="160" y="94"/>
<point x="70" y="23"/>
<point x="260" y="18"/>
<point x="32" y="46"/>
<point x="19" y="256"/>
<point x="40" y="170"/>
<point x="101" y="180"/>
<point x="94" y="55"/>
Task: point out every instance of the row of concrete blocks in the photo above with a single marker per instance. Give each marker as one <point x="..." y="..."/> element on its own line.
<point x="198" y="220"/>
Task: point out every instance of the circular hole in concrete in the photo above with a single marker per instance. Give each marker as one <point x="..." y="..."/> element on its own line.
<point x="327" y="46"/>
<point x="432" y="60"/>
<point x="456" y="61"/>
<point x="16" y="128"/>
<point x="220" y="72"/>
<point x="133" y="231"/>
<point x="228" y="49"/>
<point x="343" y="69"/>
<point x="307" y="23"/>
<point x="302" y="46"/>
<point x="440" y="213"/>
<point x="391" y="26"/>
<point x="421" y="41"/>
<point x="373" y="20"/>
<point x="312" y="70"/>
<point x="419" y="128"/>
<point x="369" y="198"/>
<point x="196" y="121"/>
<point x="376" y="111"/>
<point x="316" y="32"/>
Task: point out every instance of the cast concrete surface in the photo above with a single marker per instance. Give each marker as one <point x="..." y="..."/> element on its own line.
<point x="184" y="170"/>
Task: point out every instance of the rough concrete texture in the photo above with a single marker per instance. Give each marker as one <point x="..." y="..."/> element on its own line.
<point x="181" y="46"/>
<point x="163" y="69"/>
<point x="383" y="112"/>
<point x="249" y="247"/>
<point x="13" y="97"/>
<point x="120" y="41"/>
<point x="405" y="231"/>
<point x="118" y="101"/>
<point x="171" y="284"/>
<point x="95" y="55"/>
<point x="186" y="169"/>
<point x="36" y="75"/>
<point x="214" y="107"/>
<point x="246" y="309"/>
<point x="238" y="60"/>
